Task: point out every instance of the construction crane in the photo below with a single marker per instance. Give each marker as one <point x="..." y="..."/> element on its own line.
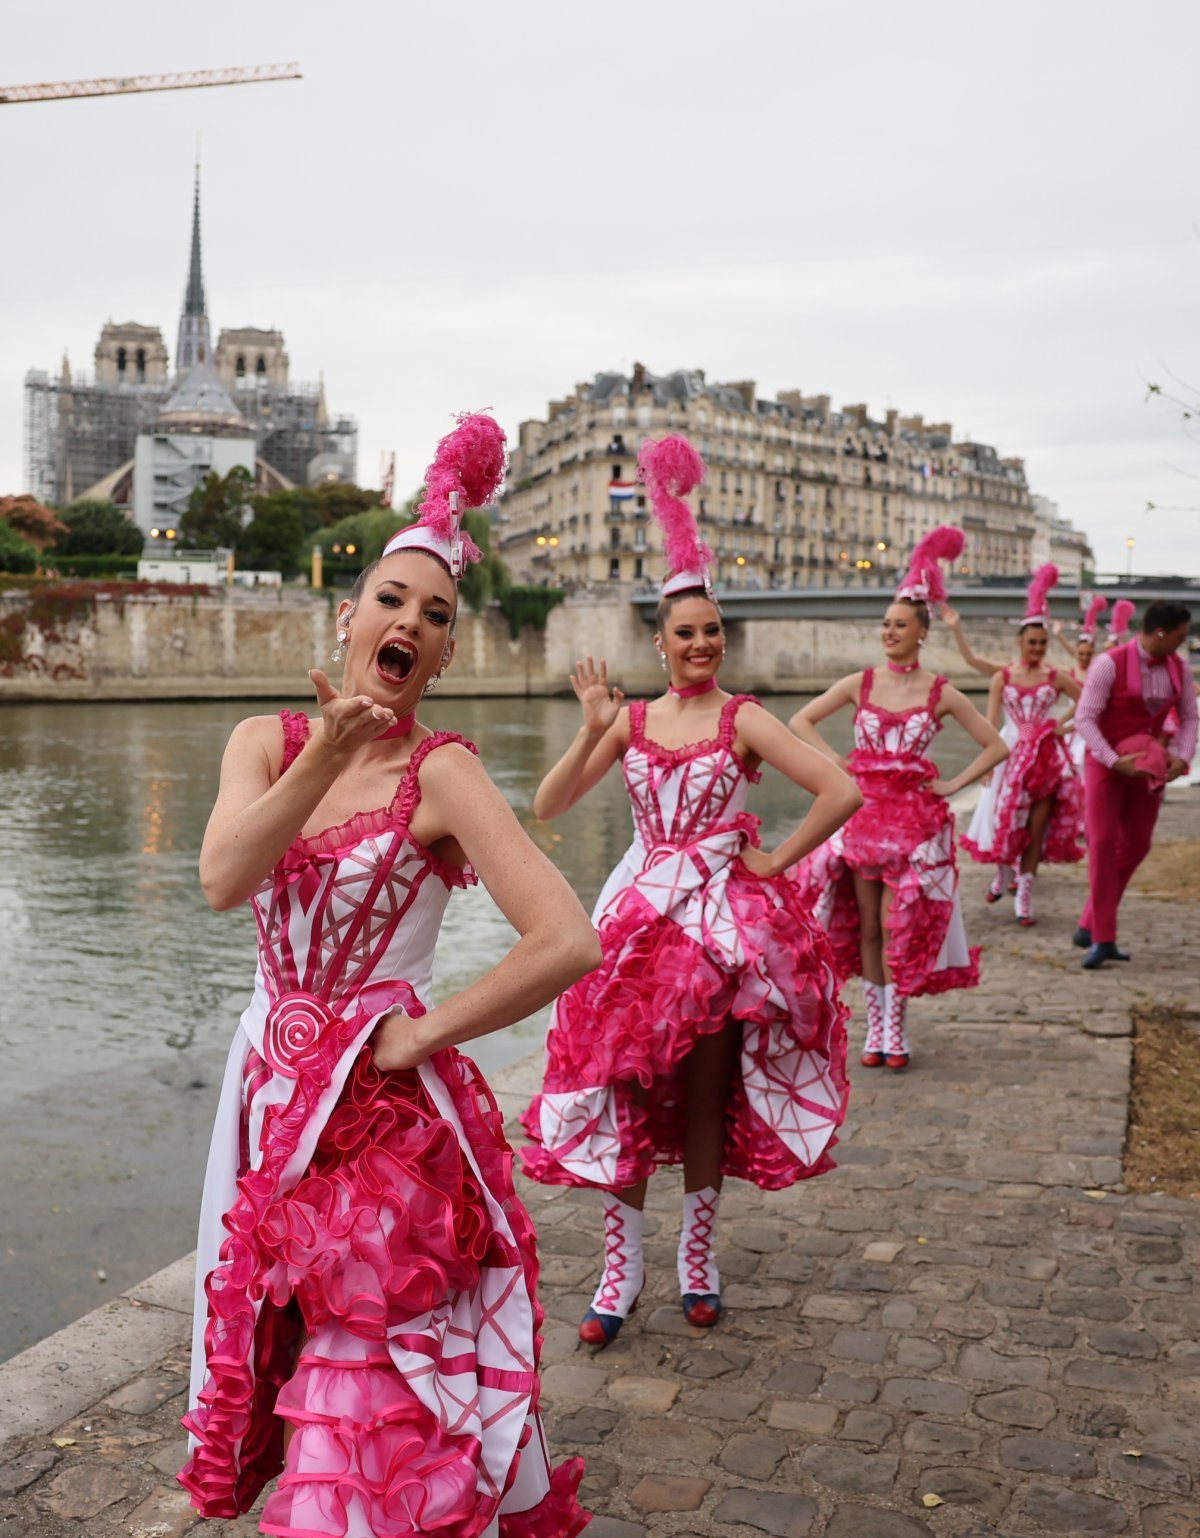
<point x="124" y="85"/>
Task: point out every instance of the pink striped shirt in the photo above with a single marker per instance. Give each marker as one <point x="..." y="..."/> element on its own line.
<point x="1157" y="685"/>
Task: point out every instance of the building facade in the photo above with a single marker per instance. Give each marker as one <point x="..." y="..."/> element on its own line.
<point x="798" y="494"/>
<point x="1057" y="539"/>
<point x="81" y="431"/>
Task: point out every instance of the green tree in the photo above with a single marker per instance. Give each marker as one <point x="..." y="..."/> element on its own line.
<point x="335" y="501"/>
<point x="486" y="579"/>
<point x="98" y="528"/>
<point x="368" y="532"/>
<point x="217" y="509"/>
<point x="273" y="539"/>
<point x="16" y="553"/>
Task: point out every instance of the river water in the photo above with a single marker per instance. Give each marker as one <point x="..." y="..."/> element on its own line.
<point x="120" y="989"/>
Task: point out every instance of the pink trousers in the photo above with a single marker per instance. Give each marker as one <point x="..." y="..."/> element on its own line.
<point x="1119" y="814"/>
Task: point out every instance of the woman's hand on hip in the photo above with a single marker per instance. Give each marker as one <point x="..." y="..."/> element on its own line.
<point x="398" y="1042"/>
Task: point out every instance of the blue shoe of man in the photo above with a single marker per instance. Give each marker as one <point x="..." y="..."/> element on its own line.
<point x="1082" y="938"/>
<point x="1102" y="951"/>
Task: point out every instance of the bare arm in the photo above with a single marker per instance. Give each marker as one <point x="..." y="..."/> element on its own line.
<point x="970" y="657"/>
<point x="993" y="749"/>
<point x="836" y="796"/>
<point x="995" y="700"/>
<point x="836" y="697"/>
<point x="1056" y="630"/>
<point x="254" y="820"/>
<point x="597" y="745"/>
<point x="556" y="943"/>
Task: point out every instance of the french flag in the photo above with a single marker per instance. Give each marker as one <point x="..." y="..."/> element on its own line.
<point x="621" y="491"/>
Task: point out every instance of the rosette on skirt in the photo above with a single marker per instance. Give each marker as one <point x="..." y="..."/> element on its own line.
<point x="696" y="941"/>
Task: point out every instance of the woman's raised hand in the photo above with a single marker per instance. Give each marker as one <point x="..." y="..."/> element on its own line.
<point x="950" y="616"/>
<point x="350" y="721"/>
<point x="600" y="705"/>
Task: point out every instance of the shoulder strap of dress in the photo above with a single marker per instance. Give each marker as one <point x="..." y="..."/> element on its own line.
<point x="410" y="787"/>
<point x="729" y="710"/>
<point x="637" y="721"/>
<point x="1006" y="671"/>
<point x="295" y="735"/>
<point x="1054" y="678"/>
<point x="935" y="694"/>
<point x="864" y="692"/>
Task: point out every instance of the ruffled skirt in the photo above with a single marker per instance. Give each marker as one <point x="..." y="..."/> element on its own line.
<point x="733" y="947"/>
<point x="902" y="836"/>
<point x="1038" y="767"/>
<point x="383" y="1263"/>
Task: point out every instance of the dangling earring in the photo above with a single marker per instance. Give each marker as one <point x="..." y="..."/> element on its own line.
<point x="339" y="651"/>
<point x="662" y="657"/>
<point x="431" y="685"/>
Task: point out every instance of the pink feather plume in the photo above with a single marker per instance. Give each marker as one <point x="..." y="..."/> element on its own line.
<point x="471" y="461"/>
<point x="1038" y="599"/>
<point x="924" y="575"/>
<point x="1122" y="612"/>
<point x="1094" y="610"/>
<point x="671" y="469"/>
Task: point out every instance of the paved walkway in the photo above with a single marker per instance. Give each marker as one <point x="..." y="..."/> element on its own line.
<point x="967" y="1331"/>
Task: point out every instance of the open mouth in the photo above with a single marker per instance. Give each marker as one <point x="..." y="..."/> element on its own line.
<point x="394" y="662"/>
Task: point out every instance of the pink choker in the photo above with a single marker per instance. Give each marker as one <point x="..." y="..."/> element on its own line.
<point x="901" y="667"/>
<point x="399" y="728"/>
<point x="692" y="690"/>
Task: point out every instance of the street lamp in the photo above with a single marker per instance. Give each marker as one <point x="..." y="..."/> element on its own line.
<point x="1129" y="544"/>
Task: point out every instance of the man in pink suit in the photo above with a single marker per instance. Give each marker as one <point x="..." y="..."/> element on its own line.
<point x="1128" y="694"/>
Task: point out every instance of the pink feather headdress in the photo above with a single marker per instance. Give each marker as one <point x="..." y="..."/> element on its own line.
<point x="670" y="469"/>
<point x="1092" y="618"/>
<point x="467" y="471"/>
<point x="1037" y="600"/>
<point x="924" y="580"/>
<point x="1118" y="625"/>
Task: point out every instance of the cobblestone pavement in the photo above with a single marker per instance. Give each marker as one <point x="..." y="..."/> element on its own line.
<point x="968" y="1331"/>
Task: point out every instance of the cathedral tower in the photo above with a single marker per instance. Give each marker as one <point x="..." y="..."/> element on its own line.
<point x="194" y="345"/>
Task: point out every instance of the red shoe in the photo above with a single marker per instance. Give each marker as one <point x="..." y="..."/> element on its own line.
<point x="701" y="1308"/>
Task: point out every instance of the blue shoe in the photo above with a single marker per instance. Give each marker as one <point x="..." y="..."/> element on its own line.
<point x="1102" y="951"/>
<point x="600" y="1329"/>
<point x="1082" y="938"/>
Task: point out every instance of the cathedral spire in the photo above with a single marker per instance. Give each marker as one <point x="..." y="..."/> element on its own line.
<point x="194" y="344"/>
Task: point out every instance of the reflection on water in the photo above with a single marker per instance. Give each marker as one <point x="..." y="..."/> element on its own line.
<point x="108" y="952"/>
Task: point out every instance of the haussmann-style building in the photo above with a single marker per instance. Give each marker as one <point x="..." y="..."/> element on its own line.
<point x="798" y="494"/>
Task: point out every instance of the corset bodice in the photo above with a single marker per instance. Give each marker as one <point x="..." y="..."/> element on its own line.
<point x="358" y="905"/>
<point x="902" y="735"/>
<point x="1027" y="705"/>
<point x="678" y="795"/>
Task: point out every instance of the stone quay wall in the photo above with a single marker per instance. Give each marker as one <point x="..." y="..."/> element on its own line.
<point x="241" y="644"/>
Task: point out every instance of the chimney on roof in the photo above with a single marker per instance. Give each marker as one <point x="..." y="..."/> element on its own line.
<point x="746" y="389"/>
<point x="893" y="417"/>
<point x="638" y="383"/>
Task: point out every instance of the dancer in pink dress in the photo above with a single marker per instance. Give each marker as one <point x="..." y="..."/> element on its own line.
<point x="885" y="886"/>
<point x="1082" y="655"/>
<point x="711" y="1033"/>
<point x="367" y="1318"/>
<point x="1035" y="811"/>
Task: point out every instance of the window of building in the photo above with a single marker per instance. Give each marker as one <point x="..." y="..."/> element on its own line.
<point x="614" y="538"/>
<point x="643" y="416"/>
<point x="724" y="480"/>
<point x="614" y="568"/>
<point x="639" y="537"/>
<point x="239" y="367"/>
<point x="261" y="366"/>
<point x="120" y="360"/>
<point x="141" y="365"/>
<point x="639" y="567"/>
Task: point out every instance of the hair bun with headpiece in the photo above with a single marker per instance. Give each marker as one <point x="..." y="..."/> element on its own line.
<point x="1037" y="598"/>
<point x="1118" y="624"/>
<point x="923" y="581"/>
<point x="1092" y="618"/>
<point x="467" y="471"/>
<point x="670" y="469"/>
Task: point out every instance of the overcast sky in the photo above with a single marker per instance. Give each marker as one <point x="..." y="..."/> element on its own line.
<point x="988" y="214"/>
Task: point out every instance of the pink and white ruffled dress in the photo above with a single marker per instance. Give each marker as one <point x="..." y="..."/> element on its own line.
<point x="692" y="940"/>
<point x="367" y="1221"/>
<point x="902" y="835"/>
<point x="1039" y="765"/>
